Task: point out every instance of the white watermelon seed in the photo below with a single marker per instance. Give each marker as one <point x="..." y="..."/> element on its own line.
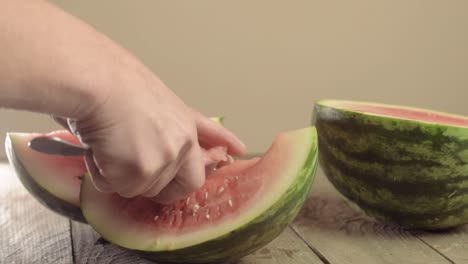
<point x="195" y="208"/>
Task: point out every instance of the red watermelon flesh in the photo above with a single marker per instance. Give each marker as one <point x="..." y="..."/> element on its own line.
<point x="58" y="175"/>
<point x="405" y="112"/>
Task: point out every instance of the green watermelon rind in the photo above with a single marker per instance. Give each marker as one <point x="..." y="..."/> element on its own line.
<point x="400" y="171"/>
<point x="253" y="234"/>
<point x="44" y="197"/>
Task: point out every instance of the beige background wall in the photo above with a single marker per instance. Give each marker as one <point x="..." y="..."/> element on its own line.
<point x="263" y="63"/>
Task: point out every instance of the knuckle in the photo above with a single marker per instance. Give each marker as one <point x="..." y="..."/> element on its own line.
<point x="142" y="170"/>
<point x="171" y="155"/>
<point x="188" y="134"/>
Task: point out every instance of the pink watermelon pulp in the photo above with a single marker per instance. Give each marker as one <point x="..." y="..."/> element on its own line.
<point x="241" y="207"/>
<point x="52" y="180"/>
<point x="403" y="112"/>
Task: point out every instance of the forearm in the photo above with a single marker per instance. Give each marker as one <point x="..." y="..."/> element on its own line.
<point x="52" y="62"/>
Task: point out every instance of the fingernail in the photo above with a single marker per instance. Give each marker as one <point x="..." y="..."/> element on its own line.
<point x="241" y="142"/>
<point x="243" y="146"/>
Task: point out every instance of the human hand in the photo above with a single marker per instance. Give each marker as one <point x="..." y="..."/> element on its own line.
<point x="146" y="141"/>
<point x="143" y="138"/>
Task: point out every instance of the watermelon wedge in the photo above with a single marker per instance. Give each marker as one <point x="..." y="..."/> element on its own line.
<point x="241" y="207"/>
<point x="402" y="165"/>
<point x="53" y="180"/>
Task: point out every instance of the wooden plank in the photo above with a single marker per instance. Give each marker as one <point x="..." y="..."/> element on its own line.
<point x="89" y="248"/>
<point x="343" y="235"/>
<point x="453" y="244"/>
<point x="288" y="248"/>
<point x="29" y="233"/>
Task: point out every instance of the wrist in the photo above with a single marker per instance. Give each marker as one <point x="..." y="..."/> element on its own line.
<point x="110" y="85"/>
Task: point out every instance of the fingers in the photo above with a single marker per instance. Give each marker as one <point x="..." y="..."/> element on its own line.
<point x="162" y="180"/>
<point x="212" y="134"/>
<point x="192" y="173"/>
<point x="99" y="181"/>
<point x="129" y="181"/>
<point x="190" y="178"/>
<point x="168" y="173"/>
<point x="163" y="185"/>
<point x="173" y="192"/>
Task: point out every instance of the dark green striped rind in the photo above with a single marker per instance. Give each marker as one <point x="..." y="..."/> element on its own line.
<point x="44" y="197"/>
<point x="406" y="172"/>
<point x="256" y="233"/>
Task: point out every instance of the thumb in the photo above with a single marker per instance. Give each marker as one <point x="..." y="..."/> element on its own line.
<point x="211" y="134"/>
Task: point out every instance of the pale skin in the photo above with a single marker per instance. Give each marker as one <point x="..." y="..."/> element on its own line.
<point x="53" y="63"/>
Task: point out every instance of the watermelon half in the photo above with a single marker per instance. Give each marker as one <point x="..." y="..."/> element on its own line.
<point x="402" y="165"/>
<point x="53" y="180"/>
<point x="241" y="207"/>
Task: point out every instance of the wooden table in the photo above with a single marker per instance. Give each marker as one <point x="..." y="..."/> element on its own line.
<point x="326" y="231"/>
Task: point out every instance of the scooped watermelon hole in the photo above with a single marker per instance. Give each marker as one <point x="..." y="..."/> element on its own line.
<point x="408" y="113"/>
